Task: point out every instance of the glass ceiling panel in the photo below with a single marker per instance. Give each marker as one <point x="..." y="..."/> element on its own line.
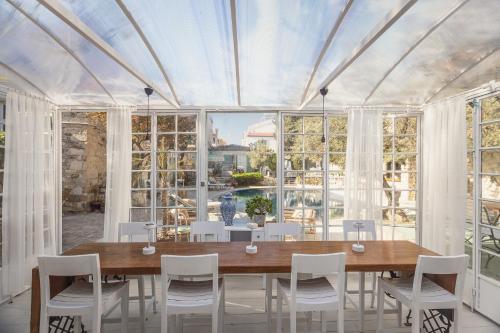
<point x="107" y="20"/>
<point x="33" y="54"/>
<point x="124" y="87"/>
<point x="279" y="43"/>
<point x="363" y="17"/>
<point x="449" y="50"/>
<point x="484" y="72"/>
<point x="194" y="41"/>
<point x="356" y="83"/>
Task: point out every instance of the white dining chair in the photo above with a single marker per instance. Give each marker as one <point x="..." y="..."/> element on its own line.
<point x="277" y="232"/>
<point x="420" y="293"/>
<point x="180" y="297"/>
<point x="136" y="232"/>
<point x="315" y="294"/>
<point x="368" y="232"/>
<point x="207" y="231"/>
<point x="90" y="300"/>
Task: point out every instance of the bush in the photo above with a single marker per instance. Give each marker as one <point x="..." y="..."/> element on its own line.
<point x="258" y="205"/>
<point x="248" y="178"/>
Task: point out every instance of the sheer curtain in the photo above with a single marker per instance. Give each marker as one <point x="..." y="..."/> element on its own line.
<point x="28" y="228"/>
<point x="444" y="176"/>
<point x="118" y="177"/>
<point x="364" y="162"/>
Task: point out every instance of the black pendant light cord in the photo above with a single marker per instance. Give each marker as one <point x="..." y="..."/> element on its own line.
<point x="148" y="91"/>
<point x="323" y="91"/>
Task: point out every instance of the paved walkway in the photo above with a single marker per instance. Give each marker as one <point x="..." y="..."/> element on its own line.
<point x="81" y="228"/>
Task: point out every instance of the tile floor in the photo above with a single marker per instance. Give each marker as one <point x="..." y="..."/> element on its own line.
<point x="244" y="314"/>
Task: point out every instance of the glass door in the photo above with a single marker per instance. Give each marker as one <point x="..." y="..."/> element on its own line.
<point x="488" y="207"/>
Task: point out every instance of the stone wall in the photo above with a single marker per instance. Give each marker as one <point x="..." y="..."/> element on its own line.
<point x="83" y="161"/>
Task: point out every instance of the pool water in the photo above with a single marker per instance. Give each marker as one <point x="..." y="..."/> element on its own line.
<point x="241" y="196"/>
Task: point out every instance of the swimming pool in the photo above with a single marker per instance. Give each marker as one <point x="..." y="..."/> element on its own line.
<point x="241" y="196"/>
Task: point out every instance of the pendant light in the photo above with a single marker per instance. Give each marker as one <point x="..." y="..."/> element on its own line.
<point x="149" y="91"/>
<point x="323" y="91"/>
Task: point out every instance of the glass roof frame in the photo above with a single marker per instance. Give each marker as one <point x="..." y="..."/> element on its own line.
<point x="80" y="27"/>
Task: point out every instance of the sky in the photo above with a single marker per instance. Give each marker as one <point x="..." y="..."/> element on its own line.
<point x="231" y="128"/>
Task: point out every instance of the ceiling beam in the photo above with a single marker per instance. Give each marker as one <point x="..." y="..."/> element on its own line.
<point x="87" y="33"/>
<point x="25" y="79"/>
<point x="235" y="49"/>
<point x="414" y="46"/>
<point x="150" y="48"/>
<point x="391" y="18"/>
<point x="461" y="73"/>
<point x="333" y="32"/>
<point x="61" y="44"/>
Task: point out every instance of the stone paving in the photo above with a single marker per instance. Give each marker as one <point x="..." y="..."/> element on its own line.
<point x="81" y="228"/>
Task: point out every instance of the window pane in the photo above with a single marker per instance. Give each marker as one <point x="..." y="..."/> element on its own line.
<point x="313" y="125"/>
<point x="490" y="213"/>
<point x="293" y="124"/>
<point x="141" y="179"/>
<point x="165" y="123"/>
<point x="141" y="161"/>
<point x="186" y="142"/>
<point x="489" y="265"/>
<point x="186" y="123"/>
<point x="293" y="143"/>
<point x="312" y="143"/>
<point x="337" y="162"/>
<point x="186" y="161"/>
<point x="388" y="126"/>
<point x="140" y="215"/>
<point x="406" y="125"/>
<point x="405" y="144"/>
<point x="490" y="108"/>
<point x="165" y="161"/>
<point x="141" y="142"/>
<point x="166" y="142"/>
<point x="140" y="124"/>
<point x="165" y="198"/>
<point x="490" y="135"/>
<point x="165" y="179"/>
<point x="141" y="198"/>
<point x="337" y="143"/>
<point x="490" y="161"/>
<point x="490" y="187"/>
<point x="313" y="162"/>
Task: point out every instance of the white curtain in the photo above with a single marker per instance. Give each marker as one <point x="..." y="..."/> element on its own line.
<point x="444" y="176"/>
<point x="364" y="162"/>
<point x="28" y="223"/>
<point x="118" y="177"/>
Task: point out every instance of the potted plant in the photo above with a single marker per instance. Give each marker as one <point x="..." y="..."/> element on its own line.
<point x="257" y="208"/>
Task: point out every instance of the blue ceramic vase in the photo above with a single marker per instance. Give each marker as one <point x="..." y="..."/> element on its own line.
<point x="228" y="208"/>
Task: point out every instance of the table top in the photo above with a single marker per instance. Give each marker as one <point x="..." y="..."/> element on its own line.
<point x="272" y="257"/>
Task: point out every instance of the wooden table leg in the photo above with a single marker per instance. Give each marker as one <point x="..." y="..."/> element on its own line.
<point x="57" y="284"/>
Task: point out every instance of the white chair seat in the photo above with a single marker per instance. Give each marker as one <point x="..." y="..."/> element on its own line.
<point x="432" y="295"/>
<point x="311" y="292"/>
<point x="191" y="295"/>
<point x="80" y="295"/>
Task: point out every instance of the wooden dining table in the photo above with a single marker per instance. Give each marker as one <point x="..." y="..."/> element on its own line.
<point x="272" y="257"/>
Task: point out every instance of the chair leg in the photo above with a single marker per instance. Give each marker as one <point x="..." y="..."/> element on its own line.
<point x="44" y="323"/>
<point x="415" y="325"/>
<point x="153" y="293"/>
<point x="340" y="320"/>
<point x="457" y="317"/>
<point x="215" y="316"/>
<point x="374" y="287"/>
<point x="124" y="310"/>
<point x="222" y="309"/>
<point x="362" y="301"/>
<point x="380" y="308"/>
<point x="77" y="324"/>
<point x="164" y="316"/>
<point x="293" y="319"/>
<point x="142" y="303"/>
<point x="400" y="313"/>
<point x="345" y="289"/>
<point x="279" y="310"/>
<point x="323" y="321"/>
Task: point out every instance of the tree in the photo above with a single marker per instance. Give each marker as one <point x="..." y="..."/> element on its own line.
<point x="262" y="156"/>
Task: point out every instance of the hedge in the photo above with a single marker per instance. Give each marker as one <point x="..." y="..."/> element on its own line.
<point x="247" y="178"/>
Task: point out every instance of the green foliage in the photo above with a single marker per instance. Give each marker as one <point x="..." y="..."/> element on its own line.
<point x="247" y="178"/>
<point x="262" y="156"/>
<point x="258" y="205"/>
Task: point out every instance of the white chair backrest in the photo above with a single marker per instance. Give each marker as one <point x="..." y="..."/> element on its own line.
<point x="278" y="231"/>
<point x="133" y="231"/>
<point x="87" y="264"/>
<point x="319" y="265"/>
<point x="207" y="231"/>
<point x="368" y="229"/>
<point x="441" y="265"/>
<point x="178" y="266"/>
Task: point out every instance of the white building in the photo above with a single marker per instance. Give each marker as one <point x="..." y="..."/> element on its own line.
<point x="264" y="130"/>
